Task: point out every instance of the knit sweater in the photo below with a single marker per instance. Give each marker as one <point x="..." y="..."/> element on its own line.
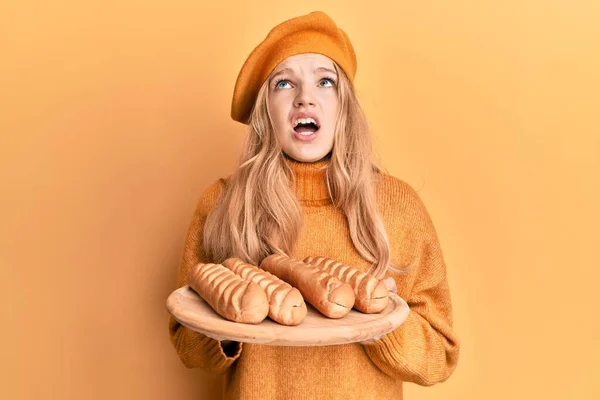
<point x="424" y="349"/>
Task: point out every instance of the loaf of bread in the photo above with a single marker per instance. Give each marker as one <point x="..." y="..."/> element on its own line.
<point x="286" y="304"/>
<point x="371" y="295"/>
<point x="332" y="297"/>
<point x="231" y="296"/>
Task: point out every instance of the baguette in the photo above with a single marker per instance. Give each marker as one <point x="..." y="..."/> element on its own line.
<point x="286" y="304"/>
<point x="330" y="296"/>
<point x="232" y="297"/>
<point x="371" y="294"/>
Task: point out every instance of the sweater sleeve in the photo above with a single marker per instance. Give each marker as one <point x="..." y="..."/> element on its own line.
<point x="425" y="348"/>
<point x="195" y="349"/>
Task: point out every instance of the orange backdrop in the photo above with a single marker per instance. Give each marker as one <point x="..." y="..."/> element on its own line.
<point x="115" y="115"/>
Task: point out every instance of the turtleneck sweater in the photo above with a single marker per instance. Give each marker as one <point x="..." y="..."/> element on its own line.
<point x="423" y="350"/>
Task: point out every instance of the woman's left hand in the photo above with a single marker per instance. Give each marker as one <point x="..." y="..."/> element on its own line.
<point x="390" y="284"/>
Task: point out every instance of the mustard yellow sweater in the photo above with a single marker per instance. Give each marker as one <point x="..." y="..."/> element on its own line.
<point x="424" y="349"/>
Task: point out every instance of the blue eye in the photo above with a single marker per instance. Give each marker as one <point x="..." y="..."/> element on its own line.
<point x="280" y="84"/>
<point x="327" y="82"/>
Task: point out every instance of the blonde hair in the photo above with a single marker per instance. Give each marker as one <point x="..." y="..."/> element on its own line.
<point x="258" y="213"/>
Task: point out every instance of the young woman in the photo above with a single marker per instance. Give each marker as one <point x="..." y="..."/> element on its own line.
<point x="307" y="186"/>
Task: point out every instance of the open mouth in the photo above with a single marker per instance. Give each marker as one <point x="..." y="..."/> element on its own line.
<point x="306" y="126"/>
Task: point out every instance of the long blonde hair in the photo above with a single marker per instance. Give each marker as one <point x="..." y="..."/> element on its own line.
<point x="258" y="213"/>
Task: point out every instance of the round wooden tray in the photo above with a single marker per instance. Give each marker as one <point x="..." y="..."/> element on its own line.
<point x="316" y="330"/>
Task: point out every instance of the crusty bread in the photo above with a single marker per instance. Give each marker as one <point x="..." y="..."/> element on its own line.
<point x="371" y="295"/>
<point x="231" y="296"/>
<point x="332" y="297"/>
<point x="286" y="304"/>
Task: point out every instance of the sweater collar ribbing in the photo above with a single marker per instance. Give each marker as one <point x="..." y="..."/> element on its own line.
<point x="310" y="183"/>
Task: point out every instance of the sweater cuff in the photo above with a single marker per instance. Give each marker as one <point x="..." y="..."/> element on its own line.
<point x="233" y="350"/>
<point x="388" y="350"/>
<point x="216" y="355"/>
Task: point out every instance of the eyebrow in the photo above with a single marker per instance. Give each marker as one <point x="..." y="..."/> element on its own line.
<point x="280" y="72"/>
<point x="289" y="70"/>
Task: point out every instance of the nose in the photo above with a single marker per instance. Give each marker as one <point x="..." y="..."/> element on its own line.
<point x="305" y="97"/>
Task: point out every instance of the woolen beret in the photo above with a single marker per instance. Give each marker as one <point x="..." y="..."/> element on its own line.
<point x="312" y="33"/>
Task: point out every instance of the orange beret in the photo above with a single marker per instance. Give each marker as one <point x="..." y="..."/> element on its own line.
<point x="312" y="33"/>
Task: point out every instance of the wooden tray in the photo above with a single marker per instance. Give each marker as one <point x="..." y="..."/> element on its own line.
<point x="316" y="329"/>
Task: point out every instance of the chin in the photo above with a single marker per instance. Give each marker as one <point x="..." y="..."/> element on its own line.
<point x="308" y="158"/>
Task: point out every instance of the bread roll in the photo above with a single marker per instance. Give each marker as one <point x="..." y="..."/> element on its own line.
<point x="286" y="304"/>
<point x="231" y="296"/>
<point x="332" y="297"/>
<point x="371" y="295"/>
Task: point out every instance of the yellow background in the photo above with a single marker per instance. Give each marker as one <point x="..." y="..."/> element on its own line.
<point x="114" y="115"/>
